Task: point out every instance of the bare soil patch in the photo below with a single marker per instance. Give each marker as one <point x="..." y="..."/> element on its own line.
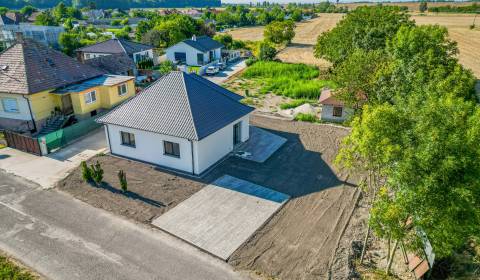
<point x="151" y="192"/>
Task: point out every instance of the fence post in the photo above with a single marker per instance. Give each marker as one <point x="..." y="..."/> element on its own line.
<point x="43" y="145"/>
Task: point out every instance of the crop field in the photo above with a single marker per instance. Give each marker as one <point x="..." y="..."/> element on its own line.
<point x="301" y="49"/>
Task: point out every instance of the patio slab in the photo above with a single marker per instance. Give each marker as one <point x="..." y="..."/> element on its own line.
<point x="223" y="215"/>
<point x="261" y="145"/>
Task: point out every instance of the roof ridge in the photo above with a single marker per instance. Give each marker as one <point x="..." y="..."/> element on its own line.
<point x="202" y="80"/>
<point x="24" y="65"/>
<point x="189" y="104"/>
<point x="121" y="45"/>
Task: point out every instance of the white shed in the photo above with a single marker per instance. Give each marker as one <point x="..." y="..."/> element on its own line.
<point x="182" y="122"/>
<point x="197" y="51"/>
<point x="333" y="109"/>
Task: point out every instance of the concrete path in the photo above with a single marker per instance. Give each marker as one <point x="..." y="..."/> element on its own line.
<point x="231" y="69"/>
<point x="48" y="170"/>
<point x="63" y="238"/>
<point x="260" y="146"/>
<point x="223" y="215"/>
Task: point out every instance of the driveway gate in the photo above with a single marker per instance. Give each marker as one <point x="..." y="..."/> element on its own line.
<point x="22" y="142"/>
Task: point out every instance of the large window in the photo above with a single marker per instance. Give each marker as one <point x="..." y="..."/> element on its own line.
<point x="10" y="105"/>
<point x="122" y="89"/>
<point x="337" y="111"/>
<point x="171" y="149"/>
<point x="200" y="59"/>
<point x="90" y="97"/>
<point x="128" y="139"/>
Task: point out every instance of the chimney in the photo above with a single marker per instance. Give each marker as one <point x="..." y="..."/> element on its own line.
<point x="19" y="37"/>
<point x="194" y="38"/>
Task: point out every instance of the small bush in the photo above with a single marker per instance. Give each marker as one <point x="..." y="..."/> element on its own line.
<point x="248" y="101"/>
<point x="306" y="117"/>
<point x="86" y="172"/>
<point x="122" y="177"/>
<point x="472" y="26"/>
<point x="250" y="61"/>
<point x="97" y="172"/>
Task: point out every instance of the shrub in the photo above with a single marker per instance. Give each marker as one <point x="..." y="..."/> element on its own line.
<point x="122" y="177"/>
<point x="250" y="61"/>
<point x="86" y="172"/>
<point x="294" y="103"/>
<point x="306" y="117"/>
<point x="97" y="172"/>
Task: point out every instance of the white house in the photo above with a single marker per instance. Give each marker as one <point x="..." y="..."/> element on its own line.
<point x="135" y="51"/>
<point x="182" y="122"/>
<point x="197" y="51"/>
<point x="332" y="108"/>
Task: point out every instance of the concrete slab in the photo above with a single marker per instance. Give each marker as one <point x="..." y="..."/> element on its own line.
<point x="48" y="170"/>
<point x="223" y="215"/>
<point x="231" y="70"/>
<point x="261" y="145"/>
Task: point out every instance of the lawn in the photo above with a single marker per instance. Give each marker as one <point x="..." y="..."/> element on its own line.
<point x="298" y="81"/>
<point x="11" y="271"/>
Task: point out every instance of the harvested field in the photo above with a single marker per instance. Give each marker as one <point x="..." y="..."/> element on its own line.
<point x="300" y="241"/>
<point x="301" y="49"/>
<point x="151" y="192"/>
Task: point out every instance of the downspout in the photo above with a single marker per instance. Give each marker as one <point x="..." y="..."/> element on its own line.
<point x="31" y="114"/>
<point x="193" y="160"/>
<point x="108" y="139"/>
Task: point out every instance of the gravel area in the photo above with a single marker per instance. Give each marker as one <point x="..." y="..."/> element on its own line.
<point x="151" y="192"/>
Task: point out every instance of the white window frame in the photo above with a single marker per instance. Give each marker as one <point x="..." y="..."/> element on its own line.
<point x="175" y="149"/>
<point x="128" y="139"/>
<point x="120" y="87"/>
<point x="15" y="111"/>
<point x="89" y="95"/>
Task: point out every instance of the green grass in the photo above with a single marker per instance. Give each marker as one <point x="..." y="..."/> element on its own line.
<point x="294" y="103"/>
<point x="10" y="271"/>
<point x="297" y="81"/>
<point x="2" y="139"/>
<point x="306" y="117"/>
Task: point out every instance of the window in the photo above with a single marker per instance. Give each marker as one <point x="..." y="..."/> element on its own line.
<point x="200" y="58"/>
<point x="171" y="149"/>
<point x="90" y="97"/>
<point x="10" y="105"/>
<point x="87" y="56"/>
<point x="122" y="89"/>
<point x="128" y="139"/>
<point x="337" y="111"/>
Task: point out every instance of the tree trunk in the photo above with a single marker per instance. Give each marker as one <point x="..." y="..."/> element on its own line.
<point x="389" y="240"/>
<point x="390" y="260"/>
<point x="365" y="240"/>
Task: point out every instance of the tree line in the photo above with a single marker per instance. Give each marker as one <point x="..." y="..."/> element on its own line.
<point x="416" y="131"/>
<point x="110" y="4"/>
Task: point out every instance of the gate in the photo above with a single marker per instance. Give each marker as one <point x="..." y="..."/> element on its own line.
<point x="22" y="142"/>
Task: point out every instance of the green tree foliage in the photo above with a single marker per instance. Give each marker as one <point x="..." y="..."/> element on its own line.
<point x="470" y="9"/>
<point x="28" y="10"/>
<point x="279" y="32"/>
<point x="224" y="39"/>
<point x="166" y="67"/>
<point x="86" y="172"/>
<point x="422" y="7"/>
<point x="70" y="42"/>
<point x="122" y="178"/>
<point x="266" y="51"/>
<point x="3" y="10"/>
<point x="46" y="18"/>
<point x="97" y="172"/>
<point x="366" y="28"/>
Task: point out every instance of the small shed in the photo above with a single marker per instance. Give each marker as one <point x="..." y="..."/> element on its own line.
<point x="333" y="109"/>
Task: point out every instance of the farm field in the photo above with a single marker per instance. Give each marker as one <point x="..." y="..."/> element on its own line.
<point x="301" y="49"/>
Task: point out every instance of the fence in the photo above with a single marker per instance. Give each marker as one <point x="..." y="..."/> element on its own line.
<point x="22" y="142"/>
<point x="64" y="136"/>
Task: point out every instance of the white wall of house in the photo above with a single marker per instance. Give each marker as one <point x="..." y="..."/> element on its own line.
<point x="87" y="55"/>
<point x="149" y="148"/>
<point x="327" y="113"/>
<point x="8" y="99"/>
<point x="191" y="54"/>
<point x="214" y="147"/>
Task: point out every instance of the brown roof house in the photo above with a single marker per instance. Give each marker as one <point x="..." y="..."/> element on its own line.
<point x="41" y="86"/>
<point x="333" y="109"/>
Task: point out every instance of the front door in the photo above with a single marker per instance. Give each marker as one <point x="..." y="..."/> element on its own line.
<point x="237" y="133"/>
<point x="67" y="107"/>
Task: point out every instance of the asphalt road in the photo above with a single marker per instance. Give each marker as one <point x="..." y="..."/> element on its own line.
<point x="63" y="238"/>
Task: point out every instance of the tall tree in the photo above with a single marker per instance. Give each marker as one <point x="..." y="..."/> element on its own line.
<point x="279" y="32"/>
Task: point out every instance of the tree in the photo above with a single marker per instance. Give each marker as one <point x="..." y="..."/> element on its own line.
<point x="423" y="7"/>
<point x="166" y="67"/>
<point x="3" y="10"/>
<point x="68" y="24"/>
<point x="154" y="38"/>
<point x="224" y="39"/>
<point x="69" y="42"/>
<point x="60" y="11"/>
<point x="297" y="15"/>
<point x="27" y="11"/>
<point x="266" y="51"/>
<point x="46" y="19"/>
<point x="366" y="28"/>
<point x="280" y="32"/>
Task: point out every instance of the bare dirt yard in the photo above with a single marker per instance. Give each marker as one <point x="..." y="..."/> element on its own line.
<point x="151" y="193"/>
<point x="301" y="49"/>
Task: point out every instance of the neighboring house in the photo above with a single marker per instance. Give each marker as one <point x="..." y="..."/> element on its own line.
<point x="116" y="64"/>
<point x="47" y="35"/>
<point x="10" y="18"/>
<point x="94" y="14"/>
<point x="332" y="108"/>
<point x="135" y="51"/>
<point x="182" y="122"/>
<point x="197" y="51"/>
<point x="193" y="13"/>
<point x="40" y="84"/>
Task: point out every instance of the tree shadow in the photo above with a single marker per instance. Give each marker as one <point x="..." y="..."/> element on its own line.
<point x="129" y="194"/>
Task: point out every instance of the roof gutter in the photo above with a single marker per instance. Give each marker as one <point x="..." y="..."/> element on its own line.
<point x="31" y="114"/>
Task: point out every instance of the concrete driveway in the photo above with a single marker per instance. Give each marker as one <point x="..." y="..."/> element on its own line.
<point x="231" y="69"/>
<point x="48" y="170"/>
<point x="64" y="238"/>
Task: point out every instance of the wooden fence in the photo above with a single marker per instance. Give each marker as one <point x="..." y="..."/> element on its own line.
<point x="22" y="142"/>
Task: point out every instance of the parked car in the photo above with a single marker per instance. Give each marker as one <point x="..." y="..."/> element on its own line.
<point x="212" y="70"/>
<point x="221" y="65"/>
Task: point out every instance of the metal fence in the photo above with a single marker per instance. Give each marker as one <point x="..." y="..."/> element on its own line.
<point x="64" y="136"/>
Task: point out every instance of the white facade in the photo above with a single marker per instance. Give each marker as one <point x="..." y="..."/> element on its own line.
<point x="195" y="156"/>
<point x="10" y="101"/>
<point x="328" y="113"/>
<point x="191" y="54"/>
<point x="142" y="55"/>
